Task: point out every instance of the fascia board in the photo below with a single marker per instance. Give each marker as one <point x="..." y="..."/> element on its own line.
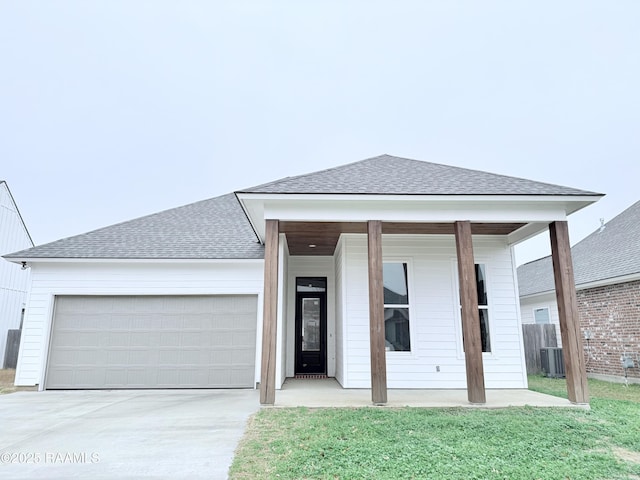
<point x="199" y="261"/>
<point x="420" y="198"/>
<point x="533" y="296"/>
<point x="401" y="211"/>
<point x="586" y="286"/>
<point x="536" y="209"/>
<point x="609" y="281"/>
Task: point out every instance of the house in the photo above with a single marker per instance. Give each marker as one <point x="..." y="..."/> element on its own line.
<point x="607" y="276"/>
<point x="383" y="273"/>
<point x="14" y="282"/>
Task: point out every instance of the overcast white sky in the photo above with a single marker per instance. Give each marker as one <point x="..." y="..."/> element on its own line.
<point x="110" y="110"/>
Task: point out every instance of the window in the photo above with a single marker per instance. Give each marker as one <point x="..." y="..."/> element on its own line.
<point x="541" y="315"/>
<point x="483" y="308"/>
<point x="396" y="307"/>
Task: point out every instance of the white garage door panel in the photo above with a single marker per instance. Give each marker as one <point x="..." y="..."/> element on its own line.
<point x="153" y="342"/>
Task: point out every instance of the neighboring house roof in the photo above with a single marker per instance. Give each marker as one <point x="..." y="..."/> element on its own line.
<point x="219" y="229"/>
<point x="389" y="175"/>
<point x="15" y="205"/>
<point x="606" y="254"/>
<point x="216" y="228"/>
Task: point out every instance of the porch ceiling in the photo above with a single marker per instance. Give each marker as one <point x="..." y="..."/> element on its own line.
<point x="325" y="235"/>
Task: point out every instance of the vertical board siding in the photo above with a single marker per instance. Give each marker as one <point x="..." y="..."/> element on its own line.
<point x="283" y="295"/>
<point x="14" y="282"/>
<point x="535" y="338"/>
<point x="435" y="317"/>
<point x="49" y="280"/>
<point x="339" y="317"/>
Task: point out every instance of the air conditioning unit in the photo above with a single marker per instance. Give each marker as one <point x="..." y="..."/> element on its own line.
<point x="552" y="362"/>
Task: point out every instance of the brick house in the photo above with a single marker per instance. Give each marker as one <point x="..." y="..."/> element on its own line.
<point x="607" y="276"/>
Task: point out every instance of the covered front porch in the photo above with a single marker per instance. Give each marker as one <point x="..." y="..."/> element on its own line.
<point x="286" y="239"/>
<point x="327" y="393"/>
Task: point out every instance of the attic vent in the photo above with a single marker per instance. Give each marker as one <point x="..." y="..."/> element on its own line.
<point x="552" y="362"/>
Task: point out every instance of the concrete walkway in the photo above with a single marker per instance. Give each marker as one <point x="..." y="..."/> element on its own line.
<point x="329" y="393"/>
<point x="122" y="434"/>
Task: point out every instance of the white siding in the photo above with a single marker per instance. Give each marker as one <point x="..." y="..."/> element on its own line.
<point x="283" y="295"/>
<point x="127" y="278"/>
<point x="546" y="300"/>
<point x="436" y="336"/>
<point x="341" y="371"/>
<point x="301" y="266"/>
<point x="14" y="282"/>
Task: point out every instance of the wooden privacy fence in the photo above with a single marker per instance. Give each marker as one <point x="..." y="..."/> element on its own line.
<point x="536" y="337"/>
<point x="11" y="351"/>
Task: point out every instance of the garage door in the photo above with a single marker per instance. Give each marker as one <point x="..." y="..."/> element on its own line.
<point x="153" y="342"/>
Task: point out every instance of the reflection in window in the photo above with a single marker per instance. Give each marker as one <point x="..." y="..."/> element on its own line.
<point x="310" y="324"/>
<point x="396" y="307"/>
<point x="483" y="308"/>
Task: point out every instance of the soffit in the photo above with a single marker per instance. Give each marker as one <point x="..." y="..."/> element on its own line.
<point x="325" y="235"/>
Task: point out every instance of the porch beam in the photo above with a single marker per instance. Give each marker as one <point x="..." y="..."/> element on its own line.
<point x="469" y="311"/>
<point x="376" y="314"/>
<point x="572" y="348"/>
<point x="270" y="312"/>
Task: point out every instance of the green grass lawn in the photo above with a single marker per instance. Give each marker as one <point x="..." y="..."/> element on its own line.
<point x="387" y="443"/>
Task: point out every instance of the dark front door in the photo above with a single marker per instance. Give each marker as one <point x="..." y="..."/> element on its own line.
<point x="311" y="325"/>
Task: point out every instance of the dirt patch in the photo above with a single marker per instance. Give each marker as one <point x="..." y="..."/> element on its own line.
<point x="7" y="377"/>
<point x="626" y="455"/>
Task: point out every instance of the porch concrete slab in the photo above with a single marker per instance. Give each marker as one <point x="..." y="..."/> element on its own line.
<point x="122" y="433"/>
<point x="328" y="393"/>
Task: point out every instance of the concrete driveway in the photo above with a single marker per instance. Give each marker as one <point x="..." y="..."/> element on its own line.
<point x="122" y="434"/>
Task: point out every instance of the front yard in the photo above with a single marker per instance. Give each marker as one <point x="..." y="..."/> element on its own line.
<point x="385" y="443"/>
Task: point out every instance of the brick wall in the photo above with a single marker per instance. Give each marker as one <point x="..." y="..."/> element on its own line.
<point x="612" y="315"/>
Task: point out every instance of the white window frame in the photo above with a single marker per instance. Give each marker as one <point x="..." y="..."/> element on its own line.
<point x="410" y="281"/>
<point x="458" y="307"/>
<point x="548" y="322"/>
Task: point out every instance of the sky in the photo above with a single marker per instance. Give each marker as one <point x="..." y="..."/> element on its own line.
<point x="111" y="110"/>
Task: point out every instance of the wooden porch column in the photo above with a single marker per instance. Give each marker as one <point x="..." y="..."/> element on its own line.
<point x="269" y="318"/>
<point x="469" y="312"/>
<point x="575" y="367"/>
<point x="376" y="314"/>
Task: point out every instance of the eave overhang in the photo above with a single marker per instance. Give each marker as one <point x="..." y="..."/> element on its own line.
<point x="532" y="213"/>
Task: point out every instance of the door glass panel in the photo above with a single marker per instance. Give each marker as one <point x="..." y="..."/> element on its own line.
<point x="310" y="325"/>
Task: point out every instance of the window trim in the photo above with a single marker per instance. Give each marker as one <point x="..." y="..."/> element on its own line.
<point x="458" y="307"/>
<point x="410" y="281"/>
<point x="549" y="322"/>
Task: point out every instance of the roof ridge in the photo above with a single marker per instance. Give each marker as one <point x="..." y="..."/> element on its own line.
<point x="302" y="175"/>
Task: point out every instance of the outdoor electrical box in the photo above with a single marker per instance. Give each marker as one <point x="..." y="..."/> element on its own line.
<point x="627" y="362"/>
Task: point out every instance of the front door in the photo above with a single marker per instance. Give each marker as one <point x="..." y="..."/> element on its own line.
<point x="311" y="325"/>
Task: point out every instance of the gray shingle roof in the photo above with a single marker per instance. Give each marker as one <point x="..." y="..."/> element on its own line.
<point x="214" y="228"/>
<point x="391" y="175"/>
<point x="603" y="255"/>
<point x="218" y="227"/>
